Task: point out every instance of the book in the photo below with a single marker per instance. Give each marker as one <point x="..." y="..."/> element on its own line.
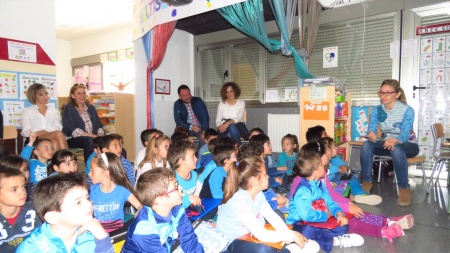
<point x="250" y="238"/>
<point x="331" y="223"/>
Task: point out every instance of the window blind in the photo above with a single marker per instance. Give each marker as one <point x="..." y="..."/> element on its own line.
<point x="212" y="71"/>
<point x="376" y="61"/>
<point x="245" y="69"/>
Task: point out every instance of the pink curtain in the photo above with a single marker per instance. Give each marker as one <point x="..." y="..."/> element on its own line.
<point x="160" y="37"/>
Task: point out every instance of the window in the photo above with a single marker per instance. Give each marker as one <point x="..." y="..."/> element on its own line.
<point x="376" y="64"/>
<point x="255" y="71"/>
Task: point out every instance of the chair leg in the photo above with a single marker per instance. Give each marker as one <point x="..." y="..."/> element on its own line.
<point x="395" y="182"/>
<point x="435" y="164"/>
<point x="442" y="164"/>
<point x="379" y="170"/>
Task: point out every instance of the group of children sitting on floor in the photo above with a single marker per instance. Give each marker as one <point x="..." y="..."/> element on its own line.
<point x="47" y="206"/>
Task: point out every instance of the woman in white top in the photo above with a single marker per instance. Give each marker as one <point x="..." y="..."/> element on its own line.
<point x="42" y="119"/>
<point x="230" y="113"/>
<point x="244" y="209"/>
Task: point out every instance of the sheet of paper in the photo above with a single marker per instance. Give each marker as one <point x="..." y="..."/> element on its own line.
<point x="272" y="96"/>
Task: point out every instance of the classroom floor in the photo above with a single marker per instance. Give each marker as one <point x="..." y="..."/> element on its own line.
<point x="431" y="232"/>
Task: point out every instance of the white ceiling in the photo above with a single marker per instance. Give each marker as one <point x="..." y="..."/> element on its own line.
<point x="80" y="18"/>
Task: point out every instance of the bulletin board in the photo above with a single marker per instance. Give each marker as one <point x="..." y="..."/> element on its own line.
<point x="17" y="74"/>
<point x="13" y="96"/>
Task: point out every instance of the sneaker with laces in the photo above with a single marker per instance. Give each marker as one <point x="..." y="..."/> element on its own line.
<point x="371" y="200"/>
<point x="310" y="247"/>
<point x="391" y="232"/>
<point x="349" y="240"/>
<point x="405" y="221"/>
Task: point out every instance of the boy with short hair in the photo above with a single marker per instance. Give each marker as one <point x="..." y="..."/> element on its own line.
<point x="146" y="135"/>
<point x="210" y="134"/>
<point x="62" y="201"/>
<point x="158" y="191"/>
<point x="181" y="157"/>
<point x="224" y="155"/>
<point x="111" y="143"/>
<point x="17" y="218"/>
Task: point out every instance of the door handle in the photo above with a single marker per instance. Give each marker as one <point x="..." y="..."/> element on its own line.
<point x="418" y="88"/>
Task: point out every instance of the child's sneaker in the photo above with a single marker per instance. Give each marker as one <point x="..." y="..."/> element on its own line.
<point x="391" y="232"/>
<point x="406" y="221"/>
<point x="348" y="240"/>
<point x="310" y="247"/>
<point x="371" y="200"/>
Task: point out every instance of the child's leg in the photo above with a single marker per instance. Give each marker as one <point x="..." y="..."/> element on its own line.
<point x="369" y="225"/>
<point x="324" y="237"/>
<point x="355" y="186"/>
<point x="239" y="246"/>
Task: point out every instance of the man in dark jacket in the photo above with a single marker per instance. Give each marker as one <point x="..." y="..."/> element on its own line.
<point x="190" y="112"/>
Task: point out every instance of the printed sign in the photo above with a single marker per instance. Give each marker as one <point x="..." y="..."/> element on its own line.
<point x="316" y="110"/>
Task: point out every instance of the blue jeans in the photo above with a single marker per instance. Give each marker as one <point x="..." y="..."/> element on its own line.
<point x="233" y="132"/>
<point x="399" y="156"/>
<point x="323" y="236"/>
<point x="198" y="134"/>
<point x="240" y="246"/>
<point x="84" y="142"/>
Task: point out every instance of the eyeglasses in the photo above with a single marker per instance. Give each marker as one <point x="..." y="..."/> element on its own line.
<point x="79" y="84"/>
<point x="268" y="144"/>
<point x="318" y="147"/>
<point x="174" y="189"/>
<point x="384" y="93"/>
<point x="72" y="162"/>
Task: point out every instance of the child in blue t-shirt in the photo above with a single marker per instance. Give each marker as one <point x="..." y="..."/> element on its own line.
<point x="182" y="159"/>
<point x="110" y="190"/>
<point x="40" y="151"/>
<point x="286" y="159"/>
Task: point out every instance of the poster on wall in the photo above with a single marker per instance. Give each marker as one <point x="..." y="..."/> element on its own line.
<point x="330" y="57"/>
<point x="360" y="122"/>
<point x="19" y="51"/>
<point x="119" y="76"/>
<point x="8" y="85"/>
<point x="316" y="110"/>
<point x="11" y="112"/>
<point x="95" y="78"/>
<point x="49" y="81"/>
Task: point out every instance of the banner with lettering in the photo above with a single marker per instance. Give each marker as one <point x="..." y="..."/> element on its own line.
<point x="149" y="13"/>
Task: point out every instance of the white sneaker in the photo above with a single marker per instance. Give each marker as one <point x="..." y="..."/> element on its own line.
<point x="371" y="200"/>
<point x="349" y="240"/>
<point x="310" y="247"/>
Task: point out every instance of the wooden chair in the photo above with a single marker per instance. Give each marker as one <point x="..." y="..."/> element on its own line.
<point x="439" y="157"/>
<point x="10" y="133"/>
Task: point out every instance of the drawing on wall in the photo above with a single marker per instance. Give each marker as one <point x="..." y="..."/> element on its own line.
<point x="8" y="85"/>
<point x="49" y="81"/>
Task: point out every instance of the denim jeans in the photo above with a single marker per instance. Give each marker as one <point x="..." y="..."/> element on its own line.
<point x="198" y="134"/>
<point x="241" y="246"/>
<point x="84" y="142"/>
<point x="399" y="155"/>
<point x="233" y="132"/>
<point x="323" y="236"/>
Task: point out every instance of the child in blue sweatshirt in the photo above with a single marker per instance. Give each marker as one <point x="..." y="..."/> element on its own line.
<point x="38" y="152"/>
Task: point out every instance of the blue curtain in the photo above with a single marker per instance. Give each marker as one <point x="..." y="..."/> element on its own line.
<point x="248" y="17"/>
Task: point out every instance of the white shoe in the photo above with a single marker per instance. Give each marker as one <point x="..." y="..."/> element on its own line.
<point x="371" y="200"/>
<point x="310" y="247"/>
<point x="349" y="240"/>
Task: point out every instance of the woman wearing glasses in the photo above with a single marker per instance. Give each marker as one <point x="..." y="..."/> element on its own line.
<point x="42" y="119"/>
<point x="397" y="140"/>
<point x="80" y="121"/>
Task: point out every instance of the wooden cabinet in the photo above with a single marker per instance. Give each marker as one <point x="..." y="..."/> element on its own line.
<point x="328" y="107"/>
<point x="116" y="111"/>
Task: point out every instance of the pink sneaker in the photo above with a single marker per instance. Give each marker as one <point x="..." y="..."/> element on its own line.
<point x="391" y="232"/>
<point x="406" y="221"/>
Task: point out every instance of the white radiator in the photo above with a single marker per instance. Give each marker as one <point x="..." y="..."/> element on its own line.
<point x="278" y="125"/>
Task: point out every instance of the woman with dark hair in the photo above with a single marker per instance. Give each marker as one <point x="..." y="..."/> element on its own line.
<point x="395" y="119"/>
<point x="42" y="119"/>
<point x="230" y="113"/>
<point x="80" y="121"/>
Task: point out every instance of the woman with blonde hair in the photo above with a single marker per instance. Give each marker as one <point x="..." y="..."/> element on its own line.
<point x="42" y="119"/>
<point x="397" y="140"/>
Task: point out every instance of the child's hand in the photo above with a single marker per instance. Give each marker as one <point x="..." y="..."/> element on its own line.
<point x="299" y="239"/>
<point x="95" y="228"/>
<point x="33" y="137"/>
<point x="281" y="201"/>
<point x="195" y="200"/>
<point x="279" y="180"/>
<point x="333" y="184"/>
<point x="342" y="219"/>
<point x="356" y="210"/>
<point x="343" y="169"/>
<point x="284" y="168"/>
